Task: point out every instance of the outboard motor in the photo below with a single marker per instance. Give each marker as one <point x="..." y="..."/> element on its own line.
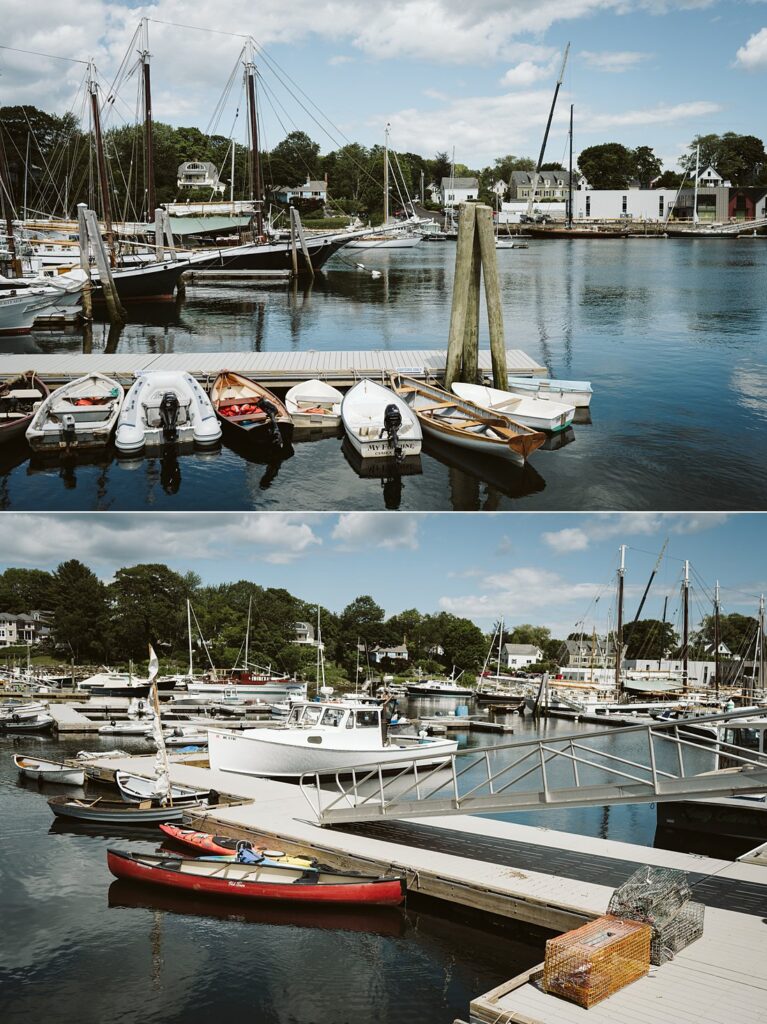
<point x="271" y="411"/>
<point x="392" y="423"/>
<point x="169" y="417"/>
<point x="69" y="433"/>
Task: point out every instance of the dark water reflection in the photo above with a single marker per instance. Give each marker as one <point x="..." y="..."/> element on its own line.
<point x="672" y="334"/>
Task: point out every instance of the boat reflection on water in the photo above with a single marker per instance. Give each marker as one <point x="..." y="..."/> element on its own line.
<point x="559" y="440"/>
<point x="582" y="417"/>
<point x="270" y="456"/>
<point x="390" y="921"/>
<point x="101" y="830"/>
<point x="388" y="471"/>
<point x="167" y="459"/>
<point x="470" y="471"/>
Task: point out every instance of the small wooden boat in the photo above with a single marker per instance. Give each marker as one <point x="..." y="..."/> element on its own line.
<point x="114" y="812"/>
<point x="78" y="415"/>
<point x="250" y="410"/>
<point x="379" y="424"/>
<point x="571" y="392"/>
<point x="134" y="789"/>
<point x="466" y="425"/>
<point x="256" y="882"/>
<point x="165" y="407"/>
<point x="18" y="398"/>
<point x="205" y="842"/>
<point x="314" y="404"/>
<point x="538" y="413"/>
<point x="49" y="771"/>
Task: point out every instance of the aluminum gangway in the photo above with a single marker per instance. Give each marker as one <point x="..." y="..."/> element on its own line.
<point x="660" y="761"/>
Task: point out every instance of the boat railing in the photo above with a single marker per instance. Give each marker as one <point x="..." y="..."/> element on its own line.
<point x="662" y="761"/>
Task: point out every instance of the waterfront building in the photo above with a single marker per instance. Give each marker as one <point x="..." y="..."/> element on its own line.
<point x="454" y="191"/>
<point x="199" y="174"/>
<point x="519" y="655"/>
<point x="398" y="653"/>
<point x="309" y="191"/>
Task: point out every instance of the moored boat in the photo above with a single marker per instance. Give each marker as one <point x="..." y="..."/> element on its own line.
<point x="466" y="425"/>
<point x="114" y="812"/>
<point x="205" y="842"/>
<point x="135" y="789"/>
<point x="313" y="403"/>
<point x="250" y="410"/>
<point x="571" y="392"/>
<point x="165" y="407"/>
<point x="253" y="881"/>
<point x="540" y="414"/>
<point x="378" y="423"/>
<point x="37" y="723"/>
<point x="18" y="398"/>
<point x="49" y="771"/>
<point x="78" y="415"/>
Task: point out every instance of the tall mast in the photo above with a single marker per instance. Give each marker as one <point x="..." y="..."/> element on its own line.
<point x="189" y="633"/>
<point x="247" y="630"/>
<point x="686" y="626"/>
<point x="663" y="621"/>
<point x="695" y="193"/>
<point x="7" y="207"/>
<point x="357" y="672"/>
<point x="619" y="623"/>
<point x="531" y="203"/>
<point x="106" y="206"/>
<point x="319" y="644"/>
<point x="570" y="186"/>
<point x="761" y="645"/>
<point x="500" y="643"/>
<point x="386" y="175"/>
<point x="148" y="132"/>
<point x="716" y="638"/>
<point x="256" y="192"/>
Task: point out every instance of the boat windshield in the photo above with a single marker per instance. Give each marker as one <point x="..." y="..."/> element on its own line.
<point x="312" y="715"/>
<point x="367" y="719"/>
<point x="748" y="738"/>
<point x="333" y="717"/>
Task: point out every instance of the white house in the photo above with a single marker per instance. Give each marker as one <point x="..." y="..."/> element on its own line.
<point x="314" y="190"/>
<point x="711" y="178"/>
<point x="454" y="191"/>
<point x="199" y="174"/>
<point x="398" y="653"/>
<point x="520" y="655"/>
<point x="724" y="650"/>
<point x="22" y="629"/>
<point x="304" y="633"/>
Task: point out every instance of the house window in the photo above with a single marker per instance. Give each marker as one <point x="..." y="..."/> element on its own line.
<point x="624" y="204"/>
<point x="588" y="206"/>
<point x="660" y="206"/>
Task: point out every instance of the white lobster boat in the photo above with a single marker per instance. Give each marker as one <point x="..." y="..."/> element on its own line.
<point x="81" y="414"/>
<point x="538" y="413"/>
<point x="166" y="407"/>
<point x="24" y="300"/>
<point x="379" y="423"/>
<point x="324" y="737"/>
<point x="572" y="392"/>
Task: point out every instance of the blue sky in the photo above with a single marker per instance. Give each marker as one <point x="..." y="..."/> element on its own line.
<point x="550" y="569"/>
<point x="445" y="73"/>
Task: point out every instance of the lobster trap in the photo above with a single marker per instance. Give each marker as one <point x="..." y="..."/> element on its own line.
<point x="660" y="897"/>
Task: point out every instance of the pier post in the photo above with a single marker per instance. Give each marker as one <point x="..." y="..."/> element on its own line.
<point x="159" y="243"/>
<point x="115" y="312"/>
<point x="293" y="250"/>
<point x="169" y="235"/>
<point x="492" y="296"/>
<point x="302" y="239"/>
<point x="464" y="258"/>
<point x="471" y="330"/>
<point x="85" y="263"/>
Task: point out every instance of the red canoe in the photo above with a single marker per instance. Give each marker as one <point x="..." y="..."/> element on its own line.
<point x="204" y="842"/>
<point x="254" y="882"/>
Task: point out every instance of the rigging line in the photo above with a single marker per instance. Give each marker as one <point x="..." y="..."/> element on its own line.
<point x="200" y="28"/>
<point x="218" y="110"/>
<point x="51" y="56"/>
<point x="655" y="554"/>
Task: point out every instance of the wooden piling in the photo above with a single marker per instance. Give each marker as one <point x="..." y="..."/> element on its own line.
<point x="85" y="263"/>
<point x="302" y="239"/>
<point x="471" y="329"/>
<point x="115" y="311"/>
<point x="464" y="260"/>
<point x="159" y="243"/>
<point x="293" y="250"/>
<point x="484" y="219"/>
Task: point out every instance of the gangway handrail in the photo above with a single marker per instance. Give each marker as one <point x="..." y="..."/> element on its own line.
<point x="351" y="801"/>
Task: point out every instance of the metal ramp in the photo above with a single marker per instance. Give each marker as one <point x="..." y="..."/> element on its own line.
<point x="660" y="761"/>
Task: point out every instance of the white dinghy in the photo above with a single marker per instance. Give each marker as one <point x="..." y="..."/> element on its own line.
<point x="134" y="789"/>
<point x="49" y="771"/>
<point x="379" y="423"/>
<point x="538" y="413"/>
<point x="572" y="392"/>
<point x="81" y="414"/>
<point x="314" y="404"/>
<point x="166" y="407"/>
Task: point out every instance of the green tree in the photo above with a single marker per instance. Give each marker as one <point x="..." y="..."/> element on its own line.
<point x="529" y="634"/>
<point x="737" y="631"/>
<point x="669" y="179"/>
<point x="740" y="159"/>
<point x="647" y="166"/>
<point x="148" y="606"/>
<point x="80" y="612"/>
<point x="21" y="590"/>
<point x="292" y="160"/>
<point x="608" y="165"/>
<point x="649" y="638"/>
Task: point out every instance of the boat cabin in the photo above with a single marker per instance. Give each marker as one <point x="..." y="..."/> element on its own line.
<point x="334" y="716"/>
<point x="749" y="734"/>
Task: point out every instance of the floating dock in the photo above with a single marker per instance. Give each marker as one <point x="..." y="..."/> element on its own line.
<point x="279" y="369"/>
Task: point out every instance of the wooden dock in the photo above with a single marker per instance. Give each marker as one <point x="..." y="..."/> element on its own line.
<point x="279" y="369"/>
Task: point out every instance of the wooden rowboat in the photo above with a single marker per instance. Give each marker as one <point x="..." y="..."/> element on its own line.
<point x="18" y="397"/>
<point x="250" y="410"/>
<point x="49" y="771"/>
<point x="460" y="422"/>
<point x="256" y="882"/>
<point x="204" y="842"/>
<point x="113" y="812"/>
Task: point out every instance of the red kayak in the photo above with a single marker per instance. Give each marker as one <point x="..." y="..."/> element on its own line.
<point x="222" y="846"/>
<point x="256" y="882"/>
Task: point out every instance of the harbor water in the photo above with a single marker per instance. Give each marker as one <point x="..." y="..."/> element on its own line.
<point x="671" y="333"/>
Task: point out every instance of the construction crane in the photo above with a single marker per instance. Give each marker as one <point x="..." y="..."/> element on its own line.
<point x="534" y="190"/>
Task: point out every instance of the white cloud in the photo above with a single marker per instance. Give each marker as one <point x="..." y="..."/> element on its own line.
<point x="340" y="59"/>
<point x="571" y="539"/>
<point x="109" y="539"/>
<point x="628" y="524"/>
<point x="519" y="592"/>
<point x="526" y="73"/>
<point x="363" y="530"/>
<point x="661" y="114"/>
<point x="753" y="56"/>
<point x="615" y="61"/>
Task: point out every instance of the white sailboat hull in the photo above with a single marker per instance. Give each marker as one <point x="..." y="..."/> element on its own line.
<point x="275" y="690"/>
<point x="403" y="242"/>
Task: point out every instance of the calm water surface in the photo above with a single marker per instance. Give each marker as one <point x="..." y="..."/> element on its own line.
<point x="672" y="334"/>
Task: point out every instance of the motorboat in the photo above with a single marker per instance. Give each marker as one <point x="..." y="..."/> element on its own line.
<point x="49" y="771"/>
<point x="165" y="407"/>
<point x="323" y="737"/>
<point x="256" y="881"/>
<point x="250" y="410"/>
<point x="538" y="413"/>
<point x="378" y="423"/>
<point x="465" y="424"/>
<point x="81" y="414"/>
<point x="23" y="300"/>
<point x="25" y="718"/>
<point x="19" y="710"/>
<point x="19" y="397"/>
<point x="247" y="682"/>
<point x="571" y="392"/>
<point x="114" y="684"/>
<point x="134" y="789"/>
<point x="438" y="688"/>
<point x="313" y="404"/>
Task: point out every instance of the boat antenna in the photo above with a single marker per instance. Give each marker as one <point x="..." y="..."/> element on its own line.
<point x="357" y="672"/>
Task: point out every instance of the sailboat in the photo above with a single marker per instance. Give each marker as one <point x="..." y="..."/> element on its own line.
<point x="499" y="689"/>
